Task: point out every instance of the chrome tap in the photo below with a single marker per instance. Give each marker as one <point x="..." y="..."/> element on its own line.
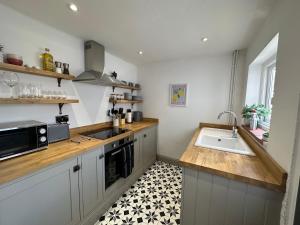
<point x="234" y="127"/>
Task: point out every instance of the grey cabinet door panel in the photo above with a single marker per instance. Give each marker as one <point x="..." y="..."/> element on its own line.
<point x="91" y="177"/>
<point x="149" y="146"/>
<point x="48" y="198"/>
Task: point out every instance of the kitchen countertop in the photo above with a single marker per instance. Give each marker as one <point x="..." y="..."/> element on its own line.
<point x="21" y="166"/>
<point x="258" y="170"/>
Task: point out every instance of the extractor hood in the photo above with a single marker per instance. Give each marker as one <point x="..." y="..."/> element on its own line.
<point x="94" y="56"/>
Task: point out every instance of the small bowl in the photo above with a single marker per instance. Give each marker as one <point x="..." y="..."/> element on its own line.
<point x="14" y="59"/>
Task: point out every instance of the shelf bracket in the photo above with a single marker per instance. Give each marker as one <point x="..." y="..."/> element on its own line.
<point x="113" y="88"/>
<point x="59" y="82"/>
<point x="60" y="106"/>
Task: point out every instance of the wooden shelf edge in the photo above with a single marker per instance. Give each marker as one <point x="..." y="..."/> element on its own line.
<point x="36" y="101"/>
<point x="125" y="101"/>
<point x="126" y="87"/>
<point x="36" y="72"/>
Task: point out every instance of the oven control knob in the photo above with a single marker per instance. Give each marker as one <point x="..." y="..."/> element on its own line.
<point x="43" y="139"/>
<point x="42" y="131"/>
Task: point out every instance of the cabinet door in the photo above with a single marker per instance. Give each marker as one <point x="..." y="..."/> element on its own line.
<point x="149" y="146"/>
<point x="92" y="179"/>
<point x="49" y="197"/>
<point x="138" y="160"/>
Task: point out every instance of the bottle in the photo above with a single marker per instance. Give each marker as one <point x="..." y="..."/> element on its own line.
<point x="129" y="116"/>
<point x="1" y="53"/>
<point x="48" y="60"/>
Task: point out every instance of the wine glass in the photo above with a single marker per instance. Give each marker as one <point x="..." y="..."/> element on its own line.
<point x="11" y="80"/>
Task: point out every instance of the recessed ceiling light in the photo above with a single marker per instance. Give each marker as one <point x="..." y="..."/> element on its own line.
<point x="73" y="7"/>
<point x="204" y="39"/>
<point x="140" y="52"/>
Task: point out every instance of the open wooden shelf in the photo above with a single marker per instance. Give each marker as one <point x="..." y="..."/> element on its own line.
<point x="36" y="101"/>
<point x="126" y="87"/>
<point x="32" y="71"/>
<point x="123" y="101"/>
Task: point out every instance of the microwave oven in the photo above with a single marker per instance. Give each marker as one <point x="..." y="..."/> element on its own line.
<point x="23" y="137"/>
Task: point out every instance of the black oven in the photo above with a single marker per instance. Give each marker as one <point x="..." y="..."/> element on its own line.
<point x="19" y="138"/>
<point x="119" y="160"/>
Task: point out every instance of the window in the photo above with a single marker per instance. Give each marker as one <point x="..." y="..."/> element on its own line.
<point x="267" y="90"/>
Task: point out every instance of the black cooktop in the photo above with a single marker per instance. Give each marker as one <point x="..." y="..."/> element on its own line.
<point x="105" y="133"/>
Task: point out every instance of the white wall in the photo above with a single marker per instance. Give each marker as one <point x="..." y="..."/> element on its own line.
<point x="284" y="19"/>
<point x="208" y="89"/>
<point x="27" y="37"/>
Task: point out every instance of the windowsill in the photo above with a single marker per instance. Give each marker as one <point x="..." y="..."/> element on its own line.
<point x="257" y="134"/>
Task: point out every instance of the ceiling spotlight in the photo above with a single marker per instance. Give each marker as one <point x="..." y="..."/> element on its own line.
<point x="73" y="7"/>
<point x="140" y="52"/>
<point x="204" y="39"/>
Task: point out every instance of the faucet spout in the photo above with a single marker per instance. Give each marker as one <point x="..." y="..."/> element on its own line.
<point x="234" y="127"/>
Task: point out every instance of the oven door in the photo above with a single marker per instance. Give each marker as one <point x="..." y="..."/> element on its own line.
<point x="17" y="142"/>
<point x="114" y="166"/>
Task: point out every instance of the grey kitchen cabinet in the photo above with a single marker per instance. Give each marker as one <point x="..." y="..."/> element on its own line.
<point x="149" y="146"/>
<point x="209" y="199"/>
<point x="145" y="148"/>
<point x="92" y="180"/>
<point x="138" y="154"/>
<point x="49" y="197"/>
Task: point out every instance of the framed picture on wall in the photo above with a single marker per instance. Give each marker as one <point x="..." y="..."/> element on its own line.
<point x="178" y="95"/>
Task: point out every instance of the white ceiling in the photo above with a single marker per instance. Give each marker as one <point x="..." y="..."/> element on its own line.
<point x="162" y="29"/>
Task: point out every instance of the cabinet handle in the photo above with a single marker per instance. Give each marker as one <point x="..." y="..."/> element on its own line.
<point x="101" y="156"/>
<point x="145" y="135"/>
<point x="76" y="168"/>
<point x="135" y="140"/>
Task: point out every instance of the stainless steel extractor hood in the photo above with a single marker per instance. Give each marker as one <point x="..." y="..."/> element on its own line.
<point x="94" y="56"/>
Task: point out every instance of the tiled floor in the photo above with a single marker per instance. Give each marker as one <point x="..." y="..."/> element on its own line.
<point x="153" y="199"/>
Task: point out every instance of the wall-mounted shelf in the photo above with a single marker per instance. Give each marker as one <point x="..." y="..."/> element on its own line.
<point x="36" y="72"/>
<point x="60" y="102"/>
<point x="125" y="87"/>
<point x="125" y="101"/>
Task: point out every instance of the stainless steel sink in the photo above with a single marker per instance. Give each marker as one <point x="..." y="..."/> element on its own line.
<point x="222" y="140"/>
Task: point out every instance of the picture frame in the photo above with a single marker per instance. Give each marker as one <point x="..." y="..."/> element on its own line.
<point x="178" y="95"/>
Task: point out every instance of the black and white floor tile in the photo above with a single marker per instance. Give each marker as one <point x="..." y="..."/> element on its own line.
<point x="154" y="199"/>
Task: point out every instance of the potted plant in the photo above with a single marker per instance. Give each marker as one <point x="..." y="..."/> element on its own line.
<point x="262" y="111"/>
<point x="247" y="113"/>
<point x="266" y="137"/>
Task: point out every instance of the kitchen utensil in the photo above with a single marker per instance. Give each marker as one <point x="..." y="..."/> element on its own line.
<point x="120" y="110"/>
<point x="66" y="68"/>
<point x="137" y="116"/>
<point x="14" y="59"/>
<point x="11" y="80"/>
<point x="130" y="84"/>
<point x="137" y="85"/>
<point x="127" y="96"/>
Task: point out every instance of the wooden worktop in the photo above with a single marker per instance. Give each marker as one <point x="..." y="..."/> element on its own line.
<point x="259" y="170"/>
<point x="18" y="167"/>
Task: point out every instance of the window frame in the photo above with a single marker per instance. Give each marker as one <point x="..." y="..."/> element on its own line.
<point x="265" y="81"/>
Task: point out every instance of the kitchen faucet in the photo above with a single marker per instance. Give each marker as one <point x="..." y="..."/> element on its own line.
<point x="234" y="127"/>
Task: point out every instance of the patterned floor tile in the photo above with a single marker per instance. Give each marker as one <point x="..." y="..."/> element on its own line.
<point x="154" y="199"/>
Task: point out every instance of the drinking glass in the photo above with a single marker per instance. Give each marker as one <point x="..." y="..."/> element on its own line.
<point x="11" y="80"/>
